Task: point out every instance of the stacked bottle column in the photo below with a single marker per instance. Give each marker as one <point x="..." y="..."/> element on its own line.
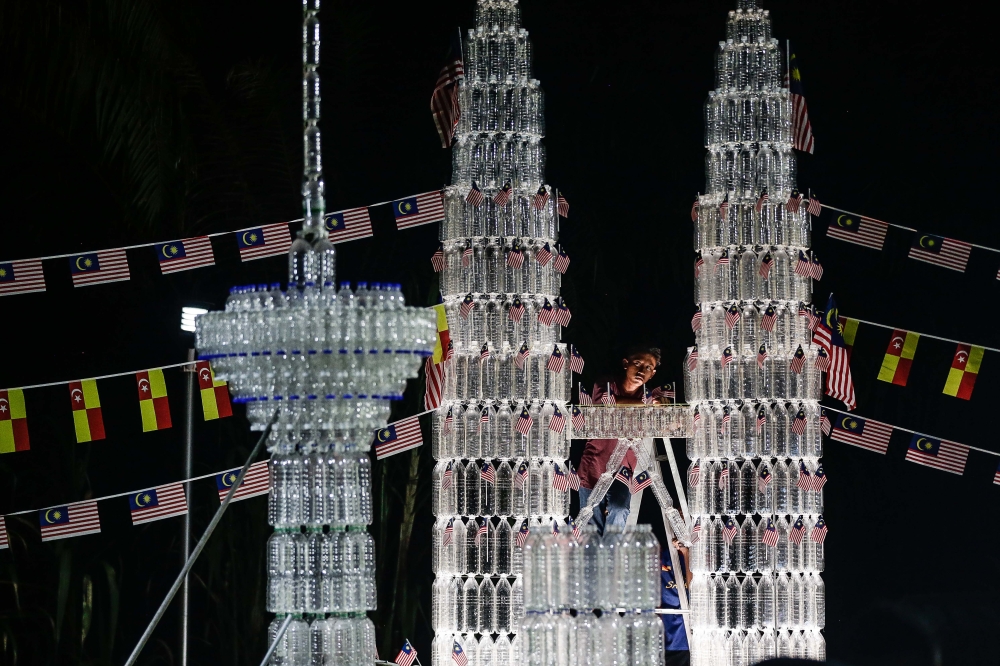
<point x="501" y="451"/>
<point x="754" y="493"/>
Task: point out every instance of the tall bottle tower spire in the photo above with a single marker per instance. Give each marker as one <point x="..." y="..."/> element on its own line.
<point x="501" y="455"/>
<point x="753" y="484"/>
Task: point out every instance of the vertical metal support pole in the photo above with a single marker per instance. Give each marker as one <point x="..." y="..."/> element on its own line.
<point x="188" y="473"/>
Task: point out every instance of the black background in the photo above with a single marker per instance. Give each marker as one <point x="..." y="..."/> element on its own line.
<point x="127" y="122"/>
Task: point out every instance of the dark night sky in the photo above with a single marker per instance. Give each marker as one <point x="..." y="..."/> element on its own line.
<point x="898" y="98"/>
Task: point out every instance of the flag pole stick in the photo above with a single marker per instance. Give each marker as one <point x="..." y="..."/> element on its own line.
<point x="200" y="545"/>
<point x="277" y="639"/>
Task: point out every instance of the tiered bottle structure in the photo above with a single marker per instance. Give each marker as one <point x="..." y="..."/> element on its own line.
<point x="501" y="436"/>
<point x="567" y="578"/>
<point x="755" y="496"/>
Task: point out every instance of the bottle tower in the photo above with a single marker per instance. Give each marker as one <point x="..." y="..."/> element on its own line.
<point x="501" y="436"/>
<point x="755" y="480"/>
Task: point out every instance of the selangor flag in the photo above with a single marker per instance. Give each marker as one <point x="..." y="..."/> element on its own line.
<point x="849" y="329"/>
<point x="214" y="394"/>
<point x="13" y="422"/>
<point x="86" y="410"/>
<point x="961" y="377"/>
<point x="153" y="400"/>
<point x="899" y="357"/>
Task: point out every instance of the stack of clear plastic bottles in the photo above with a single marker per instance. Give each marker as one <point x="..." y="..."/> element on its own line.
<point x="590" y="599"/>
<point x="756" y="442"/>
<point x="491" y="480"/>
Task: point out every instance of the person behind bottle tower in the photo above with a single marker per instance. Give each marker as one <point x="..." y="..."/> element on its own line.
<point x="628" y="387"/>
<point x="675" y="645"/>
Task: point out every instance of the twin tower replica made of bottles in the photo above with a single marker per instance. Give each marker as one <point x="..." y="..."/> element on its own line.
<point x="329" y="361"/>
<point x="755" y="483"/>
<point x="501" y="436"/>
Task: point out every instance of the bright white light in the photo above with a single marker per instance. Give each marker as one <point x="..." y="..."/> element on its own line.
<point x="188" y="315"/>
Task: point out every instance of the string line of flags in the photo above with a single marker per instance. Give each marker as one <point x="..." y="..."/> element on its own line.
<point x="25" y="276"/>
<point x="871" y="435"/>
<point x="928" y="248"/>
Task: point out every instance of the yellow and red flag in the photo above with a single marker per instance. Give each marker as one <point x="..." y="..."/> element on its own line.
<point x="153" y="400"/>
<point x="434" y="365"/>
<point x="444" y="335"/>
<point x="86" y="405"/>
<point x="849" y="330"/>
<point x="214" y="394"/>
<point x="964" y="370"/>
<point x="13" y="422"/>
<point x="899" y="357"/>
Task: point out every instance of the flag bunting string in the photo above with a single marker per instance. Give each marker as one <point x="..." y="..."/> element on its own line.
<point x="923" y="335"/>
<point x="900" y="226"/>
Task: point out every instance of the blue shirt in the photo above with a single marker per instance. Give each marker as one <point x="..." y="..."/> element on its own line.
<point x="674" y="637"/>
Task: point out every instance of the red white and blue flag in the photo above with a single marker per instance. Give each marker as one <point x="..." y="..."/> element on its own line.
<point x="579" y="420"/>
<point x="406" y="655"/>
<point x="488" y="474"/>
<point x="348" y="225"/>
<point x="426" y="208"/>
<point x="729" y="530"/>
<point x="71" y="520"/>
<point x="829" y="336"/>
<point x="558" y="422"/>
<point x="819" y="531"/>
<point x="559" y="480"/>
<point x="270" y="240"/>
<point x="575" y="361"/>
<point x="185" y="254"/>
<point x="524" y="422"/>
<point x="99" y="267"/>
<point x="556" y="360"/>
<point x="398" y="437"/>
<point x="522" y="533"/>
<point x="770" y="538"/>
<point x="938" y="453"/>
<point x="798" y="531"/>
<point x="21" y="277"/>
<point x="254" y="483"/>
<point x="157" y="503"/>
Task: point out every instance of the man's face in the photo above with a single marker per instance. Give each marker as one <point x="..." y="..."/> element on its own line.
<point x="639" y="370"/>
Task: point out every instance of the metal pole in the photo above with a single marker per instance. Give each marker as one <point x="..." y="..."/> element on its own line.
<point x="188" y="473"/>
<point x="678" y="484"/>
<point x="199" y="546"/>
<point x="277" y="639"/>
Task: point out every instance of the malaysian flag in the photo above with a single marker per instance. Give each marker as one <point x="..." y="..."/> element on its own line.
<point x="434" y="385"/>
<point x="696" y="531"/>
<point x="467" y="254"/>
<point x="866" y="433"/>
<point x="829" y="336"/>
<point x="694" y="209"/>
<point x="559" y="480"/>
<point x="699" y="261"/>
<point x="467" y="305"/>
<point x="575" y="361"/>
<point x="579" y="421"/>
<point x="641" y="481"/>
<point x="522" y="355"/>
<point x="458" y="655"/>
<point x="941" y="251"/>
<point x="522" y="533"/>
<point x="406" y="655"/>
<point x="824" y="423"/>
<point x="727" y="416"/>
<point x="185" y="254"/>
<point x="21" y="277"/>
<point x="694" y="475"/>
<point x="624" y="475"/>
<point x="723" y="474"/>
<point x="732" y="316"/>
<point x="696" y="419"/>
<point x="270" y="240"/>
<point x="398" y="437"/>
<point x="561" y="263"/>
<point x="608" y="398"/>
<point x="449" y="420"/>
<point x="799" y="423"/>
<point x="348" y="225"/>
<point x="822" y="362"/>
<point x="562" y="315"/>
<point x="763" y="479"/>
<point x="562" y="206"/>
<point x="761" y="200"/>
<point x="805" y="479"/>
<point x="516" y="310"/>
<point x="546" y="313"/>
<point x="815" y="318"/>
<point x="558" y="422"/>
<point x="484" y="353"/>
<point x="761" y="418"/>
<point x="802" y="266"/>
<point x="723" y="259"/>
<point x="770" y="316"/>
<point x="157" y="503"/>
<point x="669" y="391"/>
<point x="794" y="201"/>
<point x="71" y="520"/>
<point x="729" y="530"/>
<point x="859" y="230"/>
<point x="253" y="484"/>
<point x="813" y="206"/>
<point x="819" y="531"/>
<point x="544" y="255"/>
<point x="481" y="530"/>
<point x="426" y="208"/>
<point x="766" y="264"/>
<point x="802" y="136"/>
<point x="727" y="356"/>
<point x="770" y="537"/>
<point x="996" y="476"/>
<point x="573" y="478"/>
<point x="798" y="531"/>
<point x="696" y="318"/>
<point x="515" y="256"/>
<point x="448" y="476"/>
<point x="99" y="267"/>
<point x="724" y="207"/>
<point x="484" y="416"/>
<point x="815" y="268"/>
<point x="437" y="259"/>
<point x="475" y="197"/>
<point x="692" y="358"/>
<point x="584" y="397"/>
<point x="541" y="198"/>
<point x="503" y="195"/>
<point x="524" y="422"/>
<point x="938" y="453"/>
<point x="4" y="539"/>
<point x="488" y="474"/>
<point x="522" y="475"/>
<point x="445" y="108"/>
<point x="556" y="360"/>
<point x="819" y="479"/>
